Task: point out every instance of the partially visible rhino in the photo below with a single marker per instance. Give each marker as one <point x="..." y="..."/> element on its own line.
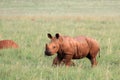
<point x="8" y="44"/>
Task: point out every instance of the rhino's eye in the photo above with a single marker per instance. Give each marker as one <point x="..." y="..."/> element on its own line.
<point x="54" y="47"/>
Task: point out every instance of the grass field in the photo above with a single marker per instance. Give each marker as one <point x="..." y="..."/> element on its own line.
<point x="28" y="22"/>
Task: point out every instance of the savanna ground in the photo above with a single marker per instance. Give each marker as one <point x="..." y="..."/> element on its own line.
<point x="28" y="21"/>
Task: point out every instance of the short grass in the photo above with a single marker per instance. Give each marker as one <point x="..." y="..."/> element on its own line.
<point x="30" y="31"/>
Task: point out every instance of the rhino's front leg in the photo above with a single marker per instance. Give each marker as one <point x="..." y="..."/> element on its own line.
<point x="67" y="60"/>
<point x="56" y="61"/>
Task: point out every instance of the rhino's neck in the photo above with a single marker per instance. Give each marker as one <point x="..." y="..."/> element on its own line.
<point x="60" y="50"/>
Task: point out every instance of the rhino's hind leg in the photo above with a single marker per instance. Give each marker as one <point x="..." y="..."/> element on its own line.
<point x="93" y="62"/>
<point x="92" y="59"/>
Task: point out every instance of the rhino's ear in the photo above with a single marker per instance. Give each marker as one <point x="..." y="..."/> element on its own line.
<point x="57" y="35"/>
<point x="49" y="36"/>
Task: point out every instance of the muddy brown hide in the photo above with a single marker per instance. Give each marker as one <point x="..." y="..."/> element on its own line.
<point x="68" y="48"/>
<point x="8" y="44"/>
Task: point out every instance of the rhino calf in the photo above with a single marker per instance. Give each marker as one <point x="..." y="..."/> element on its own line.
<point x="68" y="48"/>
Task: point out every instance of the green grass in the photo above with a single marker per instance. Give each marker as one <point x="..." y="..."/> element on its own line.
<point x="30" y="31"/>
<point x="29" y="63"/>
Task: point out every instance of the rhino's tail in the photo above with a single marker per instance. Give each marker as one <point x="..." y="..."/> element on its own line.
<point x="99" y="52"/>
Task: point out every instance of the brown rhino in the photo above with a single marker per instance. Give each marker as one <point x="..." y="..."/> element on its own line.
<point x="8" y="44"/>
<point x="68" y="48"/>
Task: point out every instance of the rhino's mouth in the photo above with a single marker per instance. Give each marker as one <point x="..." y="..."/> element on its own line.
<point x="48" y="53"/>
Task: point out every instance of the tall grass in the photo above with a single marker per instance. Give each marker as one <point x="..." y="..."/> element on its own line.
<point x="28" y="22"/>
